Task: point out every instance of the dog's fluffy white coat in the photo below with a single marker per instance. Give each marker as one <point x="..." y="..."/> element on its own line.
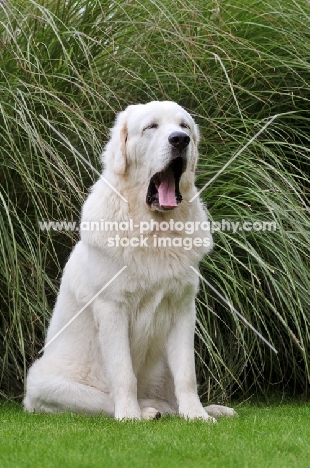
<point x="130" y="353"/>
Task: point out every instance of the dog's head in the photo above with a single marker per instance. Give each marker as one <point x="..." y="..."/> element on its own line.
<point x="155" y="146"/>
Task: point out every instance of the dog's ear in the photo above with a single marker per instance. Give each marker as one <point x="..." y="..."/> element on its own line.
<point x="196" y="138"/>
<point x="118" y="143"/>
<point x="120" y="159"/>
<point x="114" y="155"/>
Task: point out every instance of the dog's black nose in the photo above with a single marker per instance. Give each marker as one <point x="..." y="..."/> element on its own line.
<point x="179" y="140"/>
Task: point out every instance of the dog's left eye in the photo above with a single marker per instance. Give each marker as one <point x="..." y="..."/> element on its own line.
<point x="184" y="125"/>
<point x="152" y="125"/>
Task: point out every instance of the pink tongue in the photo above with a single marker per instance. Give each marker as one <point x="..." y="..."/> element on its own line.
<point x="166" y="190"/>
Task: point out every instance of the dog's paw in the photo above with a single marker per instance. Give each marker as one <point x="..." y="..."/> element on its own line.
<point x="150" y="413"/>
<point x="217" y="411"/>
<point x="202" y="415"/>
<point x="127" y="412"/>
<point x="127" y="417"/>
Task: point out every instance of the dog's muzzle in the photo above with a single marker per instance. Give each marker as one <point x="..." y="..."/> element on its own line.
<point x="163" y="191"/>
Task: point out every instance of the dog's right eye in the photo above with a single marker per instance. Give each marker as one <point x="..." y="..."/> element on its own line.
<point x="152" y="125"/>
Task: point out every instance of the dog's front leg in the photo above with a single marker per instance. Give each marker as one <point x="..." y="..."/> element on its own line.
<point x="112" y="322"/>
<point x="181" y="360"/>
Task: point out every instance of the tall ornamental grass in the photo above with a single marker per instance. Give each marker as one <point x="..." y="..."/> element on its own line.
<point x="67" y="67"/>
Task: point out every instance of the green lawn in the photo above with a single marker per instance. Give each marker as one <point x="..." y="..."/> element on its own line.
<point x="262" y="436"/>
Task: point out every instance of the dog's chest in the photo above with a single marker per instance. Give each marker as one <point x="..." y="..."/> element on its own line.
<point x="150" y="321"/>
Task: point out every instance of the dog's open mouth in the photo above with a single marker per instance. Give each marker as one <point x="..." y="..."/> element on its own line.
<point x="163" y="192"/>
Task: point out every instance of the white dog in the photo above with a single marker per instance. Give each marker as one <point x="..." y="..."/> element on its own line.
<point x="130" y="351"/>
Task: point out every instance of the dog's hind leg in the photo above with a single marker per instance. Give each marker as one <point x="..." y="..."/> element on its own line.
<point x="154" y="408"/>
<point x="53" y="393"/>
